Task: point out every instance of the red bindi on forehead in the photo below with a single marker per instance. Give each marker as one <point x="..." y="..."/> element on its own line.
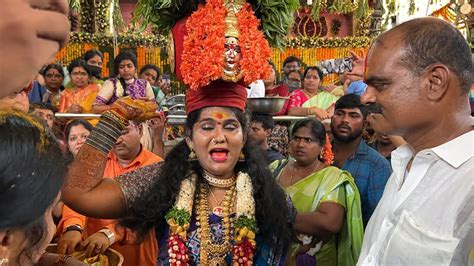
<point x="219" y="115"/>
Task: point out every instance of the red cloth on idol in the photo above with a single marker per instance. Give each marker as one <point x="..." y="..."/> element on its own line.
<point x="179" y="31"/>
<point x="219" y="93"/>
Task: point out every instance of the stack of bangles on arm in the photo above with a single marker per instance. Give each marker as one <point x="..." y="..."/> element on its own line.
<point x="107" y="131"/>
<point x="60" y="260"/>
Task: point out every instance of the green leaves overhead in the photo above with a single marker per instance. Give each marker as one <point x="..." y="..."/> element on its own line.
<point x="277" y="16"/>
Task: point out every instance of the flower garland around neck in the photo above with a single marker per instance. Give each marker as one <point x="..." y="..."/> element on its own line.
<point x="245" y="225"/>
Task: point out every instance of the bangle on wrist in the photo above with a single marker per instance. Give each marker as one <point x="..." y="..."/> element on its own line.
<point x="74" y="227"/>
<point x="109" y="234"/>
<point x="62" y="259"/>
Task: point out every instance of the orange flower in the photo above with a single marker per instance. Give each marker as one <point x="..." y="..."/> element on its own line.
<point x="204" y="45"/>
<point x="255" y="48"/>
<point x="203" y="55"/>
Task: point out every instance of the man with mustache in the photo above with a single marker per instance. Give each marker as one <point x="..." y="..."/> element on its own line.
<point x="419" y="75"/>
<point x="369" y="169"/>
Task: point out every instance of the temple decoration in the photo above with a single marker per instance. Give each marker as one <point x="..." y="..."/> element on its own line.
<point x="223" y="40"/>
<point x="276" y="15"/>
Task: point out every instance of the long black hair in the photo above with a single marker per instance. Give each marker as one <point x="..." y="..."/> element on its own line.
<point x="32" y="171"/>
<point x="271" y="206"/>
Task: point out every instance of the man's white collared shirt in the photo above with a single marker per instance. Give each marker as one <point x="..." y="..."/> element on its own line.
<point x="425" y="216"/>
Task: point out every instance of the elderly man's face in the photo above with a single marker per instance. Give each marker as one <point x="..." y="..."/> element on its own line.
<point x="397" y="92"/>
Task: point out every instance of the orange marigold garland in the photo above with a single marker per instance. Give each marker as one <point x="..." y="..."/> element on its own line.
<point x="254" y="47"/>
<point x="202" y="58"/>
<point x="204" y="45"/>
<point x="327" y="154"/>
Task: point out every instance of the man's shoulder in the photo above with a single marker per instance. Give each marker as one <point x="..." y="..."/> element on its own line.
<point x="369" y="153"/>
<point x="273" y="155"/>
<point x="147" y="157"/>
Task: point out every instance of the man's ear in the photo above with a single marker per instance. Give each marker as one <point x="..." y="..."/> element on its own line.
<point x="268" y="132"/>
<point x="6" y="239"/>
<point x="438" y="76"/>
<point x="140" y="129"/>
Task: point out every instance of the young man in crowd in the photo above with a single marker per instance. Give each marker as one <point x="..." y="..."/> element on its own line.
<point x="369" y="169"/>
<point x="260" y="129"/>
<point x="44" y="111"/>
<point x="291" y="63"/>
<point x="419" y="75"/>
<point x="384" y="145"/>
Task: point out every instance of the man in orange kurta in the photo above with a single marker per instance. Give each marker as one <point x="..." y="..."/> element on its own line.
<point x="127" y="155"/>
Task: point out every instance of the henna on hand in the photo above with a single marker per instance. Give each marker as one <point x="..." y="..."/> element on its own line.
<point x="87" y="169"/>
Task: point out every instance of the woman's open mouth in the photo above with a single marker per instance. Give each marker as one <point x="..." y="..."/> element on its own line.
<point x="219" y="154"/>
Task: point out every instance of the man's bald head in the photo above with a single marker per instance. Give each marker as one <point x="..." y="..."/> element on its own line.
<point x="428" y="41"/>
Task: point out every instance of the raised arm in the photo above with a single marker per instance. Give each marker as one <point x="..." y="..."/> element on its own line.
<point x="86" y="191"/>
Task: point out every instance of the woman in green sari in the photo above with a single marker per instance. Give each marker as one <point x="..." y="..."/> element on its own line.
<point x="329" y="220"/>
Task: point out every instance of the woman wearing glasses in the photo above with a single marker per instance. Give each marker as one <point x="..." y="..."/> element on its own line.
<point x="329" y="220"/>
<point x="78" y="98"/>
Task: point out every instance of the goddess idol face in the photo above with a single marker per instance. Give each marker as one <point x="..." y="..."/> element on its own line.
<point x="232" y="57"/>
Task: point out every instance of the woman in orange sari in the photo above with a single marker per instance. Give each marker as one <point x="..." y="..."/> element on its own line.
<point x="80" y="97"/>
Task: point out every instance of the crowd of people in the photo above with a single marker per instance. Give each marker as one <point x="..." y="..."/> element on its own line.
<point x="377" y="171"/>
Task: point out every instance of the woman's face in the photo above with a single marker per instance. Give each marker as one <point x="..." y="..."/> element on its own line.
<point x="218" y="140"/>
<point x="304" y="147"/>
<point x="270" y="80"/>
<point x="150" y="75"/>
<point x="51" y="229"/>
<point x="79" y="77"/>
<point x="95" y="61"/>
<point x="294" y="80"/>
<point x="77" y="137"/>
<point x="20" y="241"/>
<point x="127" y="69"/>
<point x="53" y="79"/>
<point x="311" y="81"/>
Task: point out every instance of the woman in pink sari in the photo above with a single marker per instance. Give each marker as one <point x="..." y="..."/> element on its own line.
<point x="310" y="100"/>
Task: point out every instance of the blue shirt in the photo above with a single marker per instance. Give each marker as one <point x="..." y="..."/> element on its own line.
<point x="358" y="87"/>
<point x="37" y="93"/>
<point x="371" y="172"/>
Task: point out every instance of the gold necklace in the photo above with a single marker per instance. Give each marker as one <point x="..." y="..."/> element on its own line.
<point x="294" y="169"/>
<point x="218" y="182"/>
<point x="214" y="253"/>
<point x="218" y="210"/>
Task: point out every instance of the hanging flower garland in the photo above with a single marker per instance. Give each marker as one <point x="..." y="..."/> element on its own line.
<point x="255" y="48"/>
<point x="179" y="218"/>
<point x="315" y="42"/>
<point x="245" y="224"/>
<point x="204" y="45"/>
<point x="102" y="15"/>
<point x="87" y="16"/>
<point x="131" y="39"/>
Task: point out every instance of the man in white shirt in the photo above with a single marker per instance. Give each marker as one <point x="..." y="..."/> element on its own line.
<point x="256" y="89"/>
<point x="419" y="75"/>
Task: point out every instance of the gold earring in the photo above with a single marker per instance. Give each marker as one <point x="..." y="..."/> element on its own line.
<point x="4" y="262"/>
<point x="242" y="157"/>
<point x="192" y="156"/>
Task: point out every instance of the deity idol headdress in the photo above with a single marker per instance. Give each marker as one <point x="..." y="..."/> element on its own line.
<point x="218" y="45"/>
